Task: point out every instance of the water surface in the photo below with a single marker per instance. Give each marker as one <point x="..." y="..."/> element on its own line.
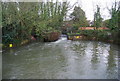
<point x="63" y="59"/>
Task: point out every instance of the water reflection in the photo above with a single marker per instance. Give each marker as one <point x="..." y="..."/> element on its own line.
<point x="112" y="63"/>
<point x="95" y="56"/>
<point x="62" y="59"/>
<point x="0" y="65"/>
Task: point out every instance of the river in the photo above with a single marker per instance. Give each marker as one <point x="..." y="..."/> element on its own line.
<point x="63" y="59"/>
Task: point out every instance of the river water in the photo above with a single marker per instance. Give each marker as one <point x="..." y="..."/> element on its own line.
<point x="63" y="59"/>
<point x="0" y="64"/>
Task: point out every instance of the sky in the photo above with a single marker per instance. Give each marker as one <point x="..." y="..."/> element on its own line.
<point x="89" y="7"/>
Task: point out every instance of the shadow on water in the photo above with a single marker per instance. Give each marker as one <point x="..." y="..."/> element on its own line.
<point x="62" y="59"/>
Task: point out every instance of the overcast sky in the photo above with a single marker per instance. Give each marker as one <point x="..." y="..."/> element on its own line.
<point x="89" y="7"/>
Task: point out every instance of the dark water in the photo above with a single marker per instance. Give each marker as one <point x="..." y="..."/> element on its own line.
<point x="62" y="59"/>
<point x="0" y="64"/>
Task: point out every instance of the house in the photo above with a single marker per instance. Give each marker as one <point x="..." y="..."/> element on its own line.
<point x="90" y="22"/>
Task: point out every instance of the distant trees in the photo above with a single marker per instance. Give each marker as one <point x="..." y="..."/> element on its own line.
<point x="78" y="17"/>
<point x="0" y="16"/>
<point x="105" y="23"/>
<point x="115" y="15"/>
<point x="111" y="23"/>
<point x="97" y="18"/>
<point x="20" y="20"/>
<point x="114" y="21"/>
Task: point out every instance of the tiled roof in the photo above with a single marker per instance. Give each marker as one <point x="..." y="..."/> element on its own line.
<point x="103" y="28"/>
<point x="87" y="28"/>
<point x="92" y="28"/>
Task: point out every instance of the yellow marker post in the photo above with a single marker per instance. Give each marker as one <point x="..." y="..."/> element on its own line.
<point x="77" y="37"/>
<point x="10" y="45"/>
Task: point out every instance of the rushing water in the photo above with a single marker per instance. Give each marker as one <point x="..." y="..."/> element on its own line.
<point x="63" y="59"/>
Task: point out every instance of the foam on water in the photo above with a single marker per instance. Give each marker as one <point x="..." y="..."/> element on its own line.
<point x="61" y="39"/>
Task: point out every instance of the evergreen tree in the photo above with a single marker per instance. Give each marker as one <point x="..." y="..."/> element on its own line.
<point x="114" y="12"/>
<point x="97" y="18"/>
<point x="78" y="17"/>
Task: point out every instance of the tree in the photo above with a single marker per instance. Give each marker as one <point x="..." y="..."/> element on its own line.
<point x="97" y="18"/>
<point x="114" y="23"/>
<point x="78" y="17"/>
<point x="0" y="15"/>
<point x="114" y="12"/>
<point x="21" y="19"/>
<point x="106" y="23"/>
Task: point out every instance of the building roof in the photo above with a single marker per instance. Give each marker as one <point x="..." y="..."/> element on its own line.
<point x="93" y="28"/>
<point x="87" y="28"/>
<point x="103" y="28"/>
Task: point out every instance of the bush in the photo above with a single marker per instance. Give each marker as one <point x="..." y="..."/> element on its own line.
<point x="100" y="34"/>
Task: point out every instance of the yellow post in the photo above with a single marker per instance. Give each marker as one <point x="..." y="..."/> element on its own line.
<point x="10" y="45"/>
<point x="77" y="37"/>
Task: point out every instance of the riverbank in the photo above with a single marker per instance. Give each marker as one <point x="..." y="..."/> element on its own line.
<point x="82" y="37"/>
<point x="96" y="35"/>
<point x="48" y="37"/>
